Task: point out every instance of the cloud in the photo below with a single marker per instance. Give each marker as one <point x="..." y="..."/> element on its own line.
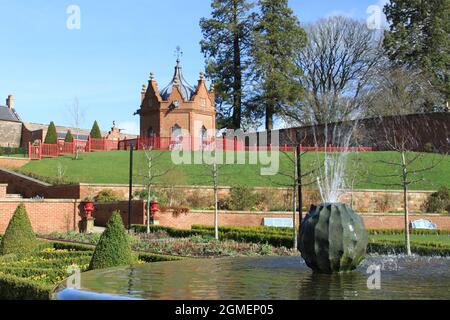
<point x="129" y="127"/>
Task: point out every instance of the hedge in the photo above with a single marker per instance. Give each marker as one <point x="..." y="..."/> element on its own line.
<point x="398" y="247"/>
<point x="151" y="257"/>
<point x="15" y="288"/>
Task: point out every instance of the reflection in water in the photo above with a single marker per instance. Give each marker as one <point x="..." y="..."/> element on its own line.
<point x="272" y="278"/>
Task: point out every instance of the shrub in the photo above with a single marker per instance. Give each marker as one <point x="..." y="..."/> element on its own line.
<point x="95" y="131"/>
<point x="15" y="288"/>
<point x="51" y="137"/>
<point x="385" y="203"/>
<point x="439" y="202"/>
<point x="161" y="197"/>
<point x="243" y="198"/>
<point x="113" y="249"/>
<point x="198" y="200"/>
<point x="69" y="136"/>
<point x="107" y="195"/>
<point x="19" y="237"/>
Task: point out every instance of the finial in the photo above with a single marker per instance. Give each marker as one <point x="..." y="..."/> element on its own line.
<point x="152" y="76"/>
<point x="202" y="75"/>
<point x="144" y="88"/>
<point x="178" y="55"/>
<point x="213" y="88"/>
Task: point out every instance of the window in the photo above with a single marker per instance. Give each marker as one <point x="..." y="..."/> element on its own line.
<point x="150" y="133"/>
<point x="176" y="131"/>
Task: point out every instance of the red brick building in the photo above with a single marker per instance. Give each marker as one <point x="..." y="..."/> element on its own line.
<point x="179" y="106"/>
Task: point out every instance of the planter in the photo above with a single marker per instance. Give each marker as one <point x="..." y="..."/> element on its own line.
<point x="88" y="209"/>
<point x="333" y="238"/>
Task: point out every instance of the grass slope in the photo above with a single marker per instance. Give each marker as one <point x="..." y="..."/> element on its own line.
<point x="112" y="167"/>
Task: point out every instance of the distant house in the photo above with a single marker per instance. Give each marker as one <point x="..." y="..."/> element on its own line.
<point x="15" y="133"/>
<point x="10" y="125"/>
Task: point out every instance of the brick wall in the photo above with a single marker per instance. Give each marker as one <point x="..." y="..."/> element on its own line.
<point x="12" y="163"/>
<point x="381" y="221"/>
<point x="46" y="216"/>
<point x="10" y="133"/>
<point x="103" y="212"/>
<point x="3" y="191"/>
<point x="363" y="200"/>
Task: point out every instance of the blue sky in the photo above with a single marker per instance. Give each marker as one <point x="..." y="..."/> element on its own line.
<point x="104" y="63"/>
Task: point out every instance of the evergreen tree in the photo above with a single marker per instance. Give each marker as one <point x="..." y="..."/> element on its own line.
<point x="419" y="37"/>
<point x="52" y="136"/>
<point x="95" y="132"/>
<point x="278" y="37"/>
<point x="113" y="248"/>
<point x="19" y="237"/>
<point x="227" y="37"/>
<point x="69" y="136"/>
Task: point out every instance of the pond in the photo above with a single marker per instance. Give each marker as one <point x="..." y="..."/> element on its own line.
<point x="268" y="278"/>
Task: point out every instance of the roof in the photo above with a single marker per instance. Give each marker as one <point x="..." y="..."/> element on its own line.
<point x="7" y="114"/>
<point x="186" y="90"/>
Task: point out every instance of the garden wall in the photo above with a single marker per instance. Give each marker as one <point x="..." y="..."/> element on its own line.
<point x="103" y="212"/>
<point x="372" y="221"/>
<point x="45" y="216"/>
<point x="362" y="200"/>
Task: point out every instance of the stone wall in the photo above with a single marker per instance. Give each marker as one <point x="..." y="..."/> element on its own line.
<point x="3" y="191"/>
<point x="46" y="216"/>
<point x="10" y="133"/>
<point x="12" y="163"/>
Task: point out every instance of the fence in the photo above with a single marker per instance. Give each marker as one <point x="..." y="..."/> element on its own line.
<point x="38" y="151"/>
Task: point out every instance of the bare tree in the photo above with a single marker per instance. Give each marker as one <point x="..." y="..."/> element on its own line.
<point x="149" y="174"/>
<point x="338" y="64"/>
<point x="406" y="169"/>
<point x="76" y="115"/>
<point x="411" y="88"/>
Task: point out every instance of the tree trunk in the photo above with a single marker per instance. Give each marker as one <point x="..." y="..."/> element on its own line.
<point x="149" y="199"/>
<point x="405" y="203"/>
<point x="216" y="203"/>
<point x="270" y="111"/>
<point x="237" y="69"/>
<point x="294" y="200"/>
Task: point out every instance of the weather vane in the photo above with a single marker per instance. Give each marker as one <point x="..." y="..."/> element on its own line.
<point x="178" y="53"/>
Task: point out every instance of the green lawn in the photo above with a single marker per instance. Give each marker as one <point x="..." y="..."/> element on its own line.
<point x="112" y="167"/>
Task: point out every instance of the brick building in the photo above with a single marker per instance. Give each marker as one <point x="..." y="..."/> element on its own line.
<point x="10" y="125"/>
<point x="179" y="106"/>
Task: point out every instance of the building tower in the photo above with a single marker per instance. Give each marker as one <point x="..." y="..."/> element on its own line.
<point x="164" y="113"/>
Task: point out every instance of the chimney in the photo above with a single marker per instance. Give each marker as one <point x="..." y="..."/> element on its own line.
<point x="10" y="102"/>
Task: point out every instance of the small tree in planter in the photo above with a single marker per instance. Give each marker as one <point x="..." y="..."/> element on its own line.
<point x="113" y="248"/>
<point x="19" y="237"/>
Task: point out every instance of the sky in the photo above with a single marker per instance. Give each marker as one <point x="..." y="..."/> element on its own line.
<point x="49" y="58"/>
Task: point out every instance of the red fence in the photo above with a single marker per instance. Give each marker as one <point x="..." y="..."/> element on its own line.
<point x="36" y="152"/>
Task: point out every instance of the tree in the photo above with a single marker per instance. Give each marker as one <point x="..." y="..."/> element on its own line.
<point x="76" y="115"/>
<point x="401" y="91"/>
<point x="113" y="248"/>
<point x="419" y="37"/>
<point x="406" y="169"/>
<point x="19" y="237"/>
<point x="69" y="136"/>
<point x="95" y="131"/>
<point x="52" y="136"/>
<point x="149" y="174"/>
<point x="338" y="65"/>
<point x="277" y="36"/>
<point x="227" y="37"/>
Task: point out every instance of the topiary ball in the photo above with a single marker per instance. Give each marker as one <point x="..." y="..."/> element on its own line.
<point x="333" y="238"/>
<point x="113" y="248"/>
<point x="19" y="238"/>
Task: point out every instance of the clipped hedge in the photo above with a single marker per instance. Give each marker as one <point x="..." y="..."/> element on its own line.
<point x="19" y="237"/>
<point x="16" y="288"/>
<point x="151" y="257"/>
<point x="421" y="232"/>
<point x="261" y="229"/>
<point x="113" y="249"/>
<point x="398" y="247"/>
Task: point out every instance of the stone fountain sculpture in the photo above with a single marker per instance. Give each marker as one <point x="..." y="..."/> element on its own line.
<point x="333" y="238"/>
